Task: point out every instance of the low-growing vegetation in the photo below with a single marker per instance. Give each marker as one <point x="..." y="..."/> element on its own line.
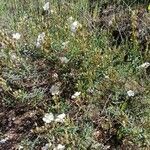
<point x="74" y="75"/>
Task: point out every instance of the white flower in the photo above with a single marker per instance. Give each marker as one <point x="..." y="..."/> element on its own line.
<point x="145" y="65"/>
<point x="59" y="147"/>
<point x="46" y="6"/>
<point x="55" y="89"/>
<point x="20" y="147"/>
<point x="64" y="60"/>
<point x="38" y="44"/>
<point x="130" y="93"/>
<point x="16" y="36"/>
<point x="65" y="44"/>
<point x="60" y="118"/>
<point x="48" y="118"/>
<point x="2" y="45"/>
<point x="75" y="95"/>
<point x="52" y="11"/>
<point x="70" y="20"/>
<point x="41" y="36"/>
<point x="74" y="26"/>
<point x="40" y="39"/>
<point x="55" y="76"/>
<point x="13" y="56"/>
<point x="90" y="90"/>
<point x="2" y="141"/>
<point x="106" y="77"/>
<point x="47" y="146"/>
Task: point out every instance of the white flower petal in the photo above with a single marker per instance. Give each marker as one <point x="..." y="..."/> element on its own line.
<point x="40" y="39"/>
<point x="130" y="93"/>
<point x="65" y="44"/>
<point x="70" y="20"/>
<point x="59" y="147"/>
<point x="145" y="65"/>
<point x="38" y="44"/>
<point x="106" y="77"/>
<point x="20" y="147"/>
<point x="74" y="26"/>
<point x="55" y="76"/>
<point x="46" y="6"/>
<point x="60" y="118"/>
<point x="47" y="146"/>
<point x="48" y="118"/>
<point x="16" y="36"/>
<point x="2" y="141"/>
<point x="75" y="95"/>
<point x="64" y="60"/>
<point x="55" y="89"/>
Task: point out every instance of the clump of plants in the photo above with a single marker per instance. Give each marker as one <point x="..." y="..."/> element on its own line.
<point x="65" y="85"/>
